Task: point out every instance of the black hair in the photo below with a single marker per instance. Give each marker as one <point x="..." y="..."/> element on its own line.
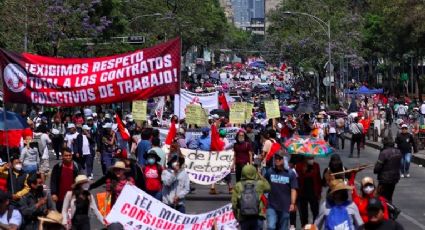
<point x="155" y="133"/>
<point x="67" y="149"/>
<point x="156" y="141"/>
<point x="272" y="133"/>
<point x="4" y="197"/>
<point x="335" y="163"/>
<point x="32" y="179"/>
<point x="146" y="134"/>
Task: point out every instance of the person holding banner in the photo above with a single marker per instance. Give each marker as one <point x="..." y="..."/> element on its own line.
<point x="176" y="184"/>
<point x="108" y="147"/>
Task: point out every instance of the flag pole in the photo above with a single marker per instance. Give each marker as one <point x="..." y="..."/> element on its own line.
<point x="180" y="77"/>
<point x="7" y="145"/>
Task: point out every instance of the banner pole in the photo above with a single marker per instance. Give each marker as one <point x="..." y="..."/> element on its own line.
<point x="7" y="145"/>
<point x="180" y="78"/>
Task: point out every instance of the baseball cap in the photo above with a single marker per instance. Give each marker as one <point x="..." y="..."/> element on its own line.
<point x="71" y="125"/>
<point x="86" y="127"/>
<point x="374" y="205"/>
<point x="404" y="126"/>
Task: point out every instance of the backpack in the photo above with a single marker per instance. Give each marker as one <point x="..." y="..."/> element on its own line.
<point x="249" y="202"/>
<point x="338" y="218"/>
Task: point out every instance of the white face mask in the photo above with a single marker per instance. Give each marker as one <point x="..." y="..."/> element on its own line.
<point x="174" y="165"/>
<point x="85" y="186"/>
<point x="18" y="167"/>
<point x="369" y="189"/>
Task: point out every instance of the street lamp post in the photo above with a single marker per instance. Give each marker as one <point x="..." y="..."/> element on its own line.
<point x="326" y="26"/>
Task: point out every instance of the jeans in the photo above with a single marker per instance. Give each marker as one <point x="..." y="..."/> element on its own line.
<point x="250" y="224"/>
<point x="405" y="163"/>
<point x="88" y="159"/>
<point x="157" y="195"/>
<point x="30" y="169"/>
<point x="277" y="219"/>
<point x="314" y="206"/>
<point x="333" y="139"/>
<point x="106" y="159"/>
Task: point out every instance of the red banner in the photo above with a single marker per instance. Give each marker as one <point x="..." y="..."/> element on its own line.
<point x="143" y="74"/>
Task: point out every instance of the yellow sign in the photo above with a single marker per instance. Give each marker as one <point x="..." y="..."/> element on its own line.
<point x="248" y="111"/>
<point x="195" y="115"/>
<point x="272" y="109"/>
<point x="139" y="110"/>
<point x="237" y="113"/>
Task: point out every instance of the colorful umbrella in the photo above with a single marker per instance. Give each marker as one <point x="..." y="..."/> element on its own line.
<point x="13" y="127"/>
<point x="308" y="147"/>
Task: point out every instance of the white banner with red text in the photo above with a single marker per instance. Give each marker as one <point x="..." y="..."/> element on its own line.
<point x="137" y="210"/>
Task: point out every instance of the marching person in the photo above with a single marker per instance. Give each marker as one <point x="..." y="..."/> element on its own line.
<point x="35" y="204"/>
<point x="78" y="202"/>
<point x="153" y="171"/>
<point x="377" y="218"/>
<point x="405" y="143"/>
<point x="243" y="153"/>
<point x="250" y="211"/>
<point x="115" y="184"/>
<point x="18" y="180"/>
<point x="108" y="147"/>
<point x="356" y="130"/>
<point x="10" y="218"/>
<point x="62" y="178"/>
<point x="388" y="169"/>
<point x="283" y="194"/>
<point x="176" y="184"/>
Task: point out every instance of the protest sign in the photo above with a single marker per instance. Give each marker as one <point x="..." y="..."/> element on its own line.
<point x="137" y="210"/>
<point x="196" y="133"/>
<point x="208" y="101"/>
<point x="195" y="115"/>
<point x="248" y="111"/>
<point x="207" y="167"/>
<point x="139" y="110"/>
<point x="143" y="74"/>
<point x="237" y="113"/>
<point x="272" y="109"/>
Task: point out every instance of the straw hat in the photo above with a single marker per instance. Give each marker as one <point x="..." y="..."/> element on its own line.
<point x="120" y="165"/>
<point x="80" y="179"/>
<point x="52" y="217"/>
<point x="337" y="185"/>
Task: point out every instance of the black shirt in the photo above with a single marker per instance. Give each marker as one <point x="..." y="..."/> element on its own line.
<point x="385" y="225"/>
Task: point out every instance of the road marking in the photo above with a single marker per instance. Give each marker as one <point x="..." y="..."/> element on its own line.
<point x="412" y="220"/>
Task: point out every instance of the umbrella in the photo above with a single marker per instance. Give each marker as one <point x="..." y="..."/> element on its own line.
<point x="219" y="112"/>
<point x="337" y="114"/>
<point x="13" y="127"/>
<point x="304" y="108"/>
<point x="286" y="109"/>
<point x="308" y="147"/>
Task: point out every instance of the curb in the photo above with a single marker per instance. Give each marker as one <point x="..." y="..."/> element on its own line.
<point x="415" y="158"/>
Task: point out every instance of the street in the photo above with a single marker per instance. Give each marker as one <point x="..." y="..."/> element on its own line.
<point x="408" y="195"/>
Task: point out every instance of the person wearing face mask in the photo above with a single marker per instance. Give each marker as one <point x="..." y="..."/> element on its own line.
<point x="368" y="191"/>
<point x="79" y="202"/>
<point x="18" y="180"/>
<point x="310" y="188"/>
<point x="176" y="184"/>
<point x="243" y="153"/>
<point x="376" y="216"/>
<point x="35" y="204"/>
<point x="152" y="171"/>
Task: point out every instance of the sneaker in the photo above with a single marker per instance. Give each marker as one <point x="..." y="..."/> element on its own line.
<point x="408" y="175"/>
<point x="402" y="175"/>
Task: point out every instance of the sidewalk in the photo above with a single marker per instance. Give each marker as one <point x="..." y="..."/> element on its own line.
<point x="417" y="158"/>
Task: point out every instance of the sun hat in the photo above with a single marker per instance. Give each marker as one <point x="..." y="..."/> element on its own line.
<point x="337" y="185"/>
<point x="119" y="165"/>
<point x="107" y="125"/>
<point x="71" y="125"/>
<point x="367" y="180"/>
<point x="52" y="217"/>
<point x="80" y="179"/>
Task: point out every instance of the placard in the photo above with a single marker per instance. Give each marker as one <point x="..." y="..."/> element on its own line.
<point x="237" y="113"/>
<point x="139" y="110"/>
<point x="272" y="109"/>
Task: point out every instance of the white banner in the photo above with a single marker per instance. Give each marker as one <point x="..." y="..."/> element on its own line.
<point x="196" y="133"/>
<point x="207" y="167"/>
<point x="137" y="210"/>
<point x="208" y="101"/>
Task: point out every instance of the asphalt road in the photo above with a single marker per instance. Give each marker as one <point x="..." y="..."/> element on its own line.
<point x="408" y="196"/>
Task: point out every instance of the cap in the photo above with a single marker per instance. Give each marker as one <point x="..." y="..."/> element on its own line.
<point x="86" y="127"/>
<point x="280" y="153"/>
<point x="404" y="126"/>
<point x="215" y="116"/>
<point x="374" y="205"/>
<point x="108" y="116"/>
<point x="107" y="125"/>
<point x="89" y="118"/>
<point x="71" y="125"/>
<point x="367" y="180"/>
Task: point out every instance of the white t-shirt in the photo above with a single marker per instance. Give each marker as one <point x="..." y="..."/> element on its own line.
<point x="69" y="138"/>
<point x="86" y="145"/>
<point x="15" y="219"/>
<point x="423" y="108"/>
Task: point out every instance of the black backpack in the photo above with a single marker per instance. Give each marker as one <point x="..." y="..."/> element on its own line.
<point x="249" y="201"/>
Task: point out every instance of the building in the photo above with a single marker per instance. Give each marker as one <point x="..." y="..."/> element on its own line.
<point x="227" y="7"/>
<point x="257" y="26"/>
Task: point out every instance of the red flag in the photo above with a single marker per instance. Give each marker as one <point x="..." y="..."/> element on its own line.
<point x="283" y="67"/>
<point x="216" y="143"/>
<point x="124" y="133"/>
<point x="223" y="102"/>
<point x="171" y="134"/>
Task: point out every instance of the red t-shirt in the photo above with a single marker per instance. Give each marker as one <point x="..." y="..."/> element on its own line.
<point x="242" y="152"/>
<point x="153" y="178"/>
<point x="67" y="179"/>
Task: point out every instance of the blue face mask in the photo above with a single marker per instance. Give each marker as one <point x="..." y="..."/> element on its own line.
<point x="151" y="161"/>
